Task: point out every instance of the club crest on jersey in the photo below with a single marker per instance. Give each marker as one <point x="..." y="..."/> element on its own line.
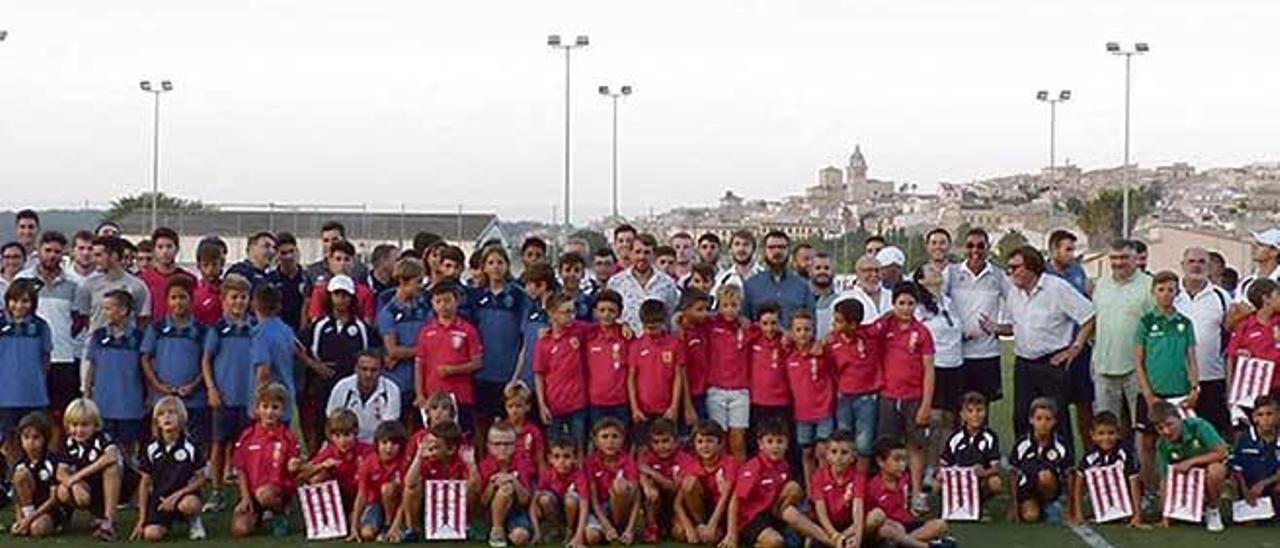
<point x="180" y="455"/>
<point x="573" y="343"/>
<point x="668" y="357"/>
<point x="352" y="330"/>
<point x="456" y="340"/>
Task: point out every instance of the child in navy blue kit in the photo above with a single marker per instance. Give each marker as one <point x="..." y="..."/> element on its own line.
<point x="34" y="478"/>
<point x="173" y="472"/>
<point x="1040" y="462"/>
<point x="115" y="372"/>
<point x="975" y="445"/>
<point x="90" y="468"/>
<point x="228" y="377"/>
<point x="25" y="346"/>
<point x="171" y="352"/>
<point x="1109" y="448"/>
<point x="1255" y="459"/>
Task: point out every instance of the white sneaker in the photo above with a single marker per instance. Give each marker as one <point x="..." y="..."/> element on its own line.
<point x="1213" y="520"/>
<point x="196" y="529"/>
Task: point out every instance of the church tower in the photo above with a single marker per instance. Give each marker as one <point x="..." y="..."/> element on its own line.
<point x="857" y="171"/>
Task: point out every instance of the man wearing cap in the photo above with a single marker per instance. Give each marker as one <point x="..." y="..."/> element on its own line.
<point x="876" y="300"/>
<point x="892" y="260"/>
<point x="978" y="290"/>
<point x="1266" y="258"/>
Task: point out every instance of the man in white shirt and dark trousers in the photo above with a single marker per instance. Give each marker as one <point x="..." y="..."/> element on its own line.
<point x="977" y="289"/>
<point x="1208" y="306"/>
<point x="372" y="397"/>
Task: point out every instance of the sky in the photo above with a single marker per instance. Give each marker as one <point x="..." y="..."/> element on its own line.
<point x="436" y="105"/>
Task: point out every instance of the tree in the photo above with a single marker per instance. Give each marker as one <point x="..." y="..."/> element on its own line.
<point x="1011" y="240"/>
<point x="1102" y="218"/>
<point x="595" y="240"/>
<point x="124" y="205"/>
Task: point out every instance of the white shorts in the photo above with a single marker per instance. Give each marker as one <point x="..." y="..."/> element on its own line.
<point x="730" y="408"/>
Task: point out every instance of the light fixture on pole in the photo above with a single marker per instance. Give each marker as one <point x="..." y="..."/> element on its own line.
<point x="615" y="95"/>
<point x="1043" y="95"/>
<point x="1115" y="49"/>
<point x="554" y="41"/>
<point x="3" y="34"/>
<point x="148" y="86"/>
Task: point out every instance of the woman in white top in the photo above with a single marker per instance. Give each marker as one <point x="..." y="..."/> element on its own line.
<point x="935" y="313"/>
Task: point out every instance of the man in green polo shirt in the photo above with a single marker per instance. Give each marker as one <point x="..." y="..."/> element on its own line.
<point x="1191" y="443"/>
<point x="1165" y="363"/>
<point x="1120" y="300"/>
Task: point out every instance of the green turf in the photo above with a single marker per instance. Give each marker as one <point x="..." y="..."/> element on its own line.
<point x="996" y="533"/>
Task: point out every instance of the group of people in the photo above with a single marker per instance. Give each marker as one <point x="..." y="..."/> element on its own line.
<point x="619" y="394"/>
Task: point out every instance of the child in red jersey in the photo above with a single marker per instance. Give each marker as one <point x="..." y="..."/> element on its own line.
<point x="339" y="458"/>
<point x="437" y="457"/>
<point x="660" y="467"/>
<point x="607" y="362"/>
<point x="728" y="397"/>
<point x="837" y="490"/>
<point x="261" y="458"/>
<point x="907" y="396"/>
<point x="505" y="483"/>
<point x="449" y="351"/>
<point x="381" y="478"/>
<point x="855" y="350"/>
<point x="655" y="381"/>
<point x="764" y="498"/>
<point x="695" y="307"/>
<point x="705" y="484"/>
<point x="611" y="478"/>
<point x="560" y="374"/>
<point x="887" y="493"/>
<point x="530" y="442"/>
<point x="810" y="378"/>
<point x="1258" y="335"/>
<point x="561" y="494"/>
<point x="770" y="395"/>
<point x="206" y="304"/>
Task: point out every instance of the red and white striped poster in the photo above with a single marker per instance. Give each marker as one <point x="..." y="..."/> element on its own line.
<point x="322" y="511"/>
<point x="1252" y="378"/>
<point x="961" y="500"/>
<point x="1183" y="411"/>
<point x="445" y="510"/>
<point x="1108" y="492"/>
<point x="1184" y="495"/>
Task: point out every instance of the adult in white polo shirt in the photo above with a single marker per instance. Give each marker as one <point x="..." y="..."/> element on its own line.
<point x="1207" y="305"/>
<point x="876" y="300"/>
<point x="1122" y="298"/>
<point x="977" y="289"/>
<point x="373" y="397"/>
<point x="1042" y="311"/>
<point x="1266" y="260"/>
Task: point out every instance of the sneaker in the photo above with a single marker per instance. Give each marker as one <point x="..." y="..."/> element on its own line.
<point x="196" y="529"/>
<point x="920" y="504"/>
<point x="105" y="531"/>
<point x="650" y="535"/>
<point x="410" y="536"/>
<point x="1213" y="520"/>
<point x="497" y="538"/>
<point x="280" y="526"/>
<point x="944" y="542"/>
<point x="215" y="504"/>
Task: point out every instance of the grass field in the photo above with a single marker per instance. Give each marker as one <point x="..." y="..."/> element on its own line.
<point x="996" y="533"/>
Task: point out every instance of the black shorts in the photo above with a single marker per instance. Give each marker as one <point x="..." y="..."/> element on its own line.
<point x="228" y="423"/>
<point x="63" y="385"/>
<point x="982" y="375"/>
<point x="489" y="399"/>
<point x="198" y="425"/>
<point x="757" y="525"/>
<point x="156" y="517"/>
<point x="1027" y="477"/>
<point x="1212" y="406"/>
<point x="948" y="388"/>
<point x="1080" y="378"/>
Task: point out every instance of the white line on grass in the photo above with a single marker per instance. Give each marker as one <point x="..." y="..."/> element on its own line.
<point x="1090" y="537"/>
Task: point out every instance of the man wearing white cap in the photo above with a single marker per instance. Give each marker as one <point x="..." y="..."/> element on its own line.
<point x="1266" y="258"/>
<point x="892" y="260"/>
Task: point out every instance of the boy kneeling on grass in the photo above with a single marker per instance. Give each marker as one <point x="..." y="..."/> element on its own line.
<point x="1109" y="448"/>
<point x="261" y="458"/>
<point x="1186" y="444"/>
<point x="1255" y="459"/>
<point x="765" y="496"/>
<point x="889" y="519"/>
<point x="1041" y="463"/>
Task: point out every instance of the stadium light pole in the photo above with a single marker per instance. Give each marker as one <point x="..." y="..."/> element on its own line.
<point x="1043" y="95"/>
<point x="554" y="42"/>
<point x="3" y="34"/>
<point x="148" y="86"/>
<point x="614" y="96"/>
<point x="1114" y="48"/>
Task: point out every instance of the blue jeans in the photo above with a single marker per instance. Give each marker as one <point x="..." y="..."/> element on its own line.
<point x="620" y="412"/>
<point x="573" y="425"/>
<point x="859" y="414"/>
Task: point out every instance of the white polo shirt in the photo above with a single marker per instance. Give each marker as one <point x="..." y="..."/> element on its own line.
<point x="382" y="405"/>
<point x="974" y="295"/>
<point x="1207" y="309"/>
<point x="1044" y="318"/>
<point x="56" y="303"/>
<point x="948" y="336"/>
<point x="1242" y="290"/>
<point x="873" y="306"/>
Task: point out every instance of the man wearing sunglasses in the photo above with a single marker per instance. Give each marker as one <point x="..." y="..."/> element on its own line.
<point x="977" y="289"/>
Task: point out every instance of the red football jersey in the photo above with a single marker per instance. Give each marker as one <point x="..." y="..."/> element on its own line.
<point x="892" y="500"/>
<point x="457" y="343"/>
<point x="262" y="455"/>
<point x="768" y="376"/>
<point x="558" y="359"/>
<point x="760" y="481"/>
<point x="856" y="359"/>
<point x="728" y="347"/>
<point x="657" y="362"/>
<point x="1258" y="340"/>
<point x="710" y="475"/>
<point x="812" y="384"/>
<point x="607" y="367"/>
<point x="838" y="492"/>
<point x="697" y="357"/>
<point x="373" y="473"/>
<point x="904" y="350"/>
<point x="348" y="462"/>
<point x="602" y="474"/>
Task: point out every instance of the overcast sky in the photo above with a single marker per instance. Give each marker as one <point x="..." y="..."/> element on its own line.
<point x="439" y="103"/>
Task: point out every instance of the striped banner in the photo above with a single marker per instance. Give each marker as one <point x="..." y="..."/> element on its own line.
<point x="1183" y="411"/>
<point x="1252" y="379"/>
<point x="322" y="511"/>
<point x="1108" y="492"/>
<point x="1184" y="495"/>
<point x="445" y="510"/>
<point x="961" y="500"/>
